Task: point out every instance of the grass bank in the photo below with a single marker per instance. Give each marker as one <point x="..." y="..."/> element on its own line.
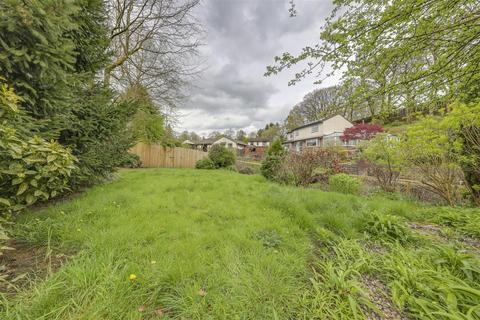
<point x="195" y="244"/>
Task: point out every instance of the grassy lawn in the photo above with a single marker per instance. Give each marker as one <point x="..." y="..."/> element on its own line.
<point x="220" y="245"/>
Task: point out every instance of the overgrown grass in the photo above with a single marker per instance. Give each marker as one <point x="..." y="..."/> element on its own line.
<point x="258" y="250"/>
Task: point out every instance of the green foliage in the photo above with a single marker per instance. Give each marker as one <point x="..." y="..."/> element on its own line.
<point x="268" y="238"/>
<point x="428" y="148"/>
<point x="463" y="221"/>
<point x="431" y="286"/>
<point x="385" y="48"/>
<point x="271" y="166"/>
<point x="98" y="135"/>
<point x="31" y="168"/>
<point x="384" y="154"/>
<point x="344" y="183"/>
<point x="464" y="121"/>
<point x="276" y="148"/>
<point x="387" y="227"/>
<point x="336" y="290"/>
<point x="37" y="56"/>
<point x="221" y="156"/>
<point x="147" y="125"/>
<point x="205" y="163"/>
<point x="91" y="37"/>
<point x="271" y="131"/>
<point x="130" y="160"/>
<point x="53" y="52"/>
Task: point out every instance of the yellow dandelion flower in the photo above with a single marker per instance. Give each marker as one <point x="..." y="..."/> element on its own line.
<point x="132" y="277"/>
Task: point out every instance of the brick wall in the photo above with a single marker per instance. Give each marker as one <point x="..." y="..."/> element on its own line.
<point x="255" y="152"/>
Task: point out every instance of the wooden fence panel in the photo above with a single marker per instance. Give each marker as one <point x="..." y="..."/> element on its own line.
<point x="156" y="156"/>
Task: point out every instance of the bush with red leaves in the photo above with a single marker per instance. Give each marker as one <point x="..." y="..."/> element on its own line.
<point x="361" y="131"/>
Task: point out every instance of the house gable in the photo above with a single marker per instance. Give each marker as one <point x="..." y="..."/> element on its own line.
<point x="320" y="128"/>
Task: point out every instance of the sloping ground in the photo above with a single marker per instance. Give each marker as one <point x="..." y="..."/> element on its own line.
<point x="194" y="244"/>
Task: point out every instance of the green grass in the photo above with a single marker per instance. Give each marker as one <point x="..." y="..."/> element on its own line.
<point x="259" y="250"/>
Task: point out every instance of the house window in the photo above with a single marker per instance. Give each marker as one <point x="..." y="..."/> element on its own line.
<point x="291" y="136"/>
<point x="230" y="145"/>
<point x="333" y="139"/>
<point x="315" y="129"/>
<point x="296" y="133"/>
<point x="312" y="143"/>
<point x="299" y="146"/>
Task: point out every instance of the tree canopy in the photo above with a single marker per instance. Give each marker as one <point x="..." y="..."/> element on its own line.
<point x="409" y="55"/>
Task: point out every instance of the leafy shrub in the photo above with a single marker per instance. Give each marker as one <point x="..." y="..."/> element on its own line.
<point x="361" y="131"/>
<point x="302" y="168"/>
<point x="130" y="160"/>
<point x="276" y="148"/>
<point x="205" y="163"/>
<point x="387" y="227"/>
<point x="344" y="183"/>
<point x="271" y="165"/>
<point x="221" y="156"/>
<point x="312" y="164"/>
<point x="464" y="123"/>
<point x="52" y="55"/>
<point x="31" y="170"/>
<point x="384" y="154"/>
<point x="428" y="149"/>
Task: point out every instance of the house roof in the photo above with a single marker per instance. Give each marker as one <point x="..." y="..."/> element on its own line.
<point x="309" y="124"/>
<point x="212" y="141"/>
<point x="205" y="141"/>
<point x="259" y="140"/>
<point x="314" y="122"/>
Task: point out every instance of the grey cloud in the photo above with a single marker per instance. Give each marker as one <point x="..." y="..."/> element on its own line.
<point x="243" y="36"/>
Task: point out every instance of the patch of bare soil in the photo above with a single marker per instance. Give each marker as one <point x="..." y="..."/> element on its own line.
<point x="374" y="247"/>
<point x="25" y="262"/>
<point x="435" y="230"/>
<point x="378" y="293"/>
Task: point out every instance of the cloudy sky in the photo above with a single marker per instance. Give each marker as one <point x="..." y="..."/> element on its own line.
<point x="242" y="37"/>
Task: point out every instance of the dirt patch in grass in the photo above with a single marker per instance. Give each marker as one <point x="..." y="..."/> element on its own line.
<point x="378" y="293"/>
<point x="436" y="231"/>
<point x="24" y="263"/>
<point x="373" y="247"/>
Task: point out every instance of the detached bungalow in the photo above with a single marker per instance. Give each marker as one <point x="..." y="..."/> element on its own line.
<point x="324" y="132"/>
<point x="206" y="144"/>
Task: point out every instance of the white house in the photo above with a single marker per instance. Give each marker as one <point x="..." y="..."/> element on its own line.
<point x="259" y="142"/>
<point x="319" y="133"/>
<point x="206" y="144"/>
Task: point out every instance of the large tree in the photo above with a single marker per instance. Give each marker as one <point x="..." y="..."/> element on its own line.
<point x="414" y="55"/>
<point x="52" y="52"/>
<point x="36" y="57"/>
<point x="153" y="43"/>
